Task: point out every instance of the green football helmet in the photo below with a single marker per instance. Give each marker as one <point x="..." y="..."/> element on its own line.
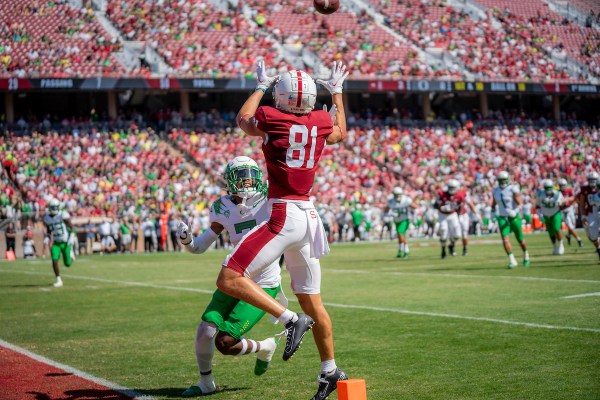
<point x="243" y="177"/>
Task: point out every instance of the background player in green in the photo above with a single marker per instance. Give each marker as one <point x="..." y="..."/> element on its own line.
<point x="508" y="199"/>
<point x="226" y="319"/>
<point x="548" y="202"/>
<point x="399" y="207"/>
<point x="357" y="220"/>
<point x="60" y="229"/>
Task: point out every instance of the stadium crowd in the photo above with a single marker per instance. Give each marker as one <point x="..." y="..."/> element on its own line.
<point x="511" y="41"/>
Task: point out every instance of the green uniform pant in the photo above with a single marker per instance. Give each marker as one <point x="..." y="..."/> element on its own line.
<point x="508" y="225"/>
<point x="402" y="227"/>
<point x="65" y="249"/>
<point x="234" y="316"/>
<point x="553" y="224"/>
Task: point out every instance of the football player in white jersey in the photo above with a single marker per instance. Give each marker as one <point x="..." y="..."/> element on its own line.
<point x="594" y="220"/>
<point x="548" y="202"/>
<point x="508" y="199"/>
<point x="399" y="206"/>
<point x="568" y="210"/>
<point x="226" y="319"/>
<point x="59" y="230"/>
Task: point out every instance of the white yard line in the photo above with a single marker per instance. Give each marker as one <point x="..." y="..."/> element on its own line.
<point x="432" y="274"/>
<point x="76" y="372"/>
<point x="335" y="305"/>
<point x="581" y="295"/>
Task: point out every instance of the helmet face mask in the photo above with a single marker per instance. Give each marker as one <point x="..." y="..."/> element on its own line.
<point x="243" y="177"/>
<point x="397" y="192"/>
<point x="548" y="187"/>
<point x="53" y="207"/>
<point x="562" y="184"/>
<point x="295" y="92"/>
<point x="453" y="186"/>
<point x="503" y="179"/>
<point x="593" y="179"/>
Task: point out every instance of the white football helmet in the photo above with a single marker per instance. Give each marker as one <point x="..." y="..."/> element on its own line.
<point x="562" y="183"/>
<point x="453" y="186"/>
<point x="53" y="207"/>
<point x="243" y="177"/>
<point x="295" y="92"/>
<point x="593" y="178"/>
<point x="397" y="192"/>
<point x="548" y="186"/>
<point x="503" y="179"/>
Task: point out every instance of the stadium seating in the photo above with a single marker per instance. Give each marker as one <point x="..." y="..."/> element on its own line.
<point x="53" y="39"/>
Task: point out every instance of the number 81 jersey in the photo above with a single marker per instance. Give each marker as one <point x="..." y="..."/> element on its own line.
<point x="292" y="148"/>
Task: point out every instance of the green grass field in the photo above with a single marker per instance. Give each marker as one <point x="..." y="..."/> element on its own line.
<point x="423" y="328"/>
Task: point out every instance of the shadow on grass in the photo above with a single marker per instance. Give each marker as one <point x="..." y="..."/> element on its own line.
<point x="30" y="285"/>
<point x="176" y="392"/>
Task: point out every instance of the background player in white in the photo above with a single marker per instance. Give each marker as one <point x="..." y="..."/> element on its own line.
<point x="293" y="140"/>
<point x="508" y="199"/>
<point x="568" y="211"/>
<point x="589" y="218"/>
<point x="226" y="319"/>
<point x="399" y="206"/>
<point x="594" y="219"/>
<point x="465" y="221"/>
<point x="59" y="230"/>
<point x="548" y="202"/>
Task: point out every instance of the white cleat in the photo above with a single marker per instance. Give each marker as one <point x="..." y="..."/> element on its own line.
<point x="561" y="249"/>
<point x="512" y="264"/>
<point x="58" y="284"/>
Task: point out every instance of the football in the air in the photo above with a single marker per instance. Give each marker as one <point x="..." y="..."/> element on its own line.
<point x="326" y="6"/>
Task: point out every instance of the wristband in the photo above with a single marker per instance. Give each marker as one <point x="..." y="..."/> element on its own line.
<point x="262" y="89"/>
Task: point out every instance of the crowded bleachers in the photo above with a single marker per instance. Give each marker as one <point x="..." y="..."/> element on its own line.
<point x="54" y="39"/>
<point x="195" y="39"/>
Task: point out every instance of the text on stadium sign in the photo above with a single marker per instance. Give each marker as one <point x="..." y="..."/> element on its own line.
<point x="203" y="83"/>
<point x="56" y="83"/>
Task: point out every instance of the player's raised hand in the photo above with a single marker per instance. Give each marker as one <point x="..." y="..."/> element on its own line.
<point x="263" y="80"/>
<point x="184" y="233"/>
<point x="335" y="84"/>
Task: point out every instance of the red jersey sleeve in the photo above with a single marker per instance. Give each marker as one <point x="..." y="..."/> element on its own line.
<point x="260" y="119"/>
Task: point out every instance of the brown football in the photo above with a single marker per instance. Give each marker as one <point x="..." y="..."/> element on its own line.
<point x="326" y="6"/>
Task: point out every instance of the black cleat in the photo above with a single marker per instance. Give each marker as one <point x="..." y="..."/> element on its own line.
<point x="569" y="239"/>
<point x="465" y="252"/>
<point x="451" y="250"/>
<point x="294" y="332"/>
<point x="443" y="252"/>
<point x="328" y="383"/>
<point x="579" y="242"/>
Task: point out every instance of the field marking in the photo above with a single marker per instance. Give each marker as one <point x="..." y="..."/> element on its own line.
<point x="524" y="278"/>
<point x="335" y="305"/>
<point x="581" y="295"/>
<point x="99" y="381"/>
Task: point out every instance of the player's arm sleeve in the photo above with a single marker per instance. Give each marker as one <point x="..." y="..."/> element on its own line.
<point x="260" y="119"/>
<point x="201" y="243"/>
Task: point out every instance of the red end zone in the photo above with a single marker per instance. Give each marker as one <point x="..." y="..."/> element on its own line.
<point x="23" y="378"/>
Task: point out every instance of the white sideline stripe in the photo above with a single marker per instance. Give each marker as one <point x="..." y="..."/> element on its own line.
<point x="357" y="307"/>
<point x="91" y="278"/>
<point x="76" y="372"/>
<point x="524" y="278"/>
<point x="581" y="295"/>
<point x="430" y="314"/>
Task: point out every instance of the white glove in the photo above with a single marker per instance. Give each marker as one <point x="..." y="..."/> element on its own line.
<point x="46" y="240"/>
<point x="184" y="233"/>
<point x="71" y="240"/>
<point x="263" y="80"/>
<point x="335" y="84"/>
<point x="332" y="111"/>
<point x="511" y="213"/>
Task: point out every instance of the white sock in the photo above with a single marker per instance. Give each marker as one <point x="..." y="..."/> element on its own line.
<point x="205" y="348"/>
<point x="267" y="348"/>
<point x="511" y="257"/>
<point x="526" y="255"/>
<point x="288" y="316"/>
<point x="58" y="279"/>
<point x="207" y="382"/>
<point x="328" y="366"/>
<point x="401" y="246"/>
<point x="406" y="249"/>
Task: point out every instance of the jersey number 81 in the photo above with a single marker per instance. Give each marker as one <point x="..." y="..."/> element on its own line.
<point x="300" y="147"/>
